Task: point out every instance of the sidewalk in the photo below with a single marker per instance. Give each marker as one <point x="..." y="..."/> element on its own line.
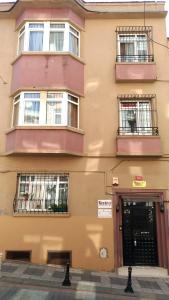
<point x="100" y="282"/>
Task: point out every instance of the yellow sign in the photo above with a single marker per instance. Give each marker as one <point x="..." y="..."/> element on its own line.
<point x="139" y="183"/>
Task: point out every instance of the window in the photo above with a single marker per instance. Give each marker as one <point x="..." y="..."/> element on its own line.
<point x="47" y="108"/>
<point x="49" y="36"/>
<point x="134" y="44"/>
<point x="137" y="116"/>
<point x="42" y="192"/>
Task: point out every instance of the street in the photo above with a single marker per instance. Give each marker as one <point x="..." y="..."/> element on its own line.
<point x="19" y="292"/>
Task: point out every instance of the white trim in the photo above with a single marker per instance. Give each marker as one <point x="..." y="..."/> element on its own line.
<point x="46" y="36"/>
<point x="43" y="100"/>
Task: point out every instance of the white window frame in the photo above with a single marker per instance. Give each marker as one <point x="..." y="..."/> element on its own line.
<point x="43" y="108"/>
<point x="135" y="40"/>
<point x="138" y="122"/>
<point x="46" y="36"/>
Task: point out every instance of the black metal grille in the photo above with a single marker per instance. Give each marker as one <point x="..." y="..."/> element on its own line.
<point x="137" y="116"/>
<point x="46" y="193"/>
<point x="134" y="58"/>
<point x="138" y="130"/>
<point x="134" y="44"/>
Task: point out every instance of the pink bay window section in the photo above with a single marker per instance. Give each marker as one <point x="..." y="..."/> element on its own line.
<point x="135" y="72"/>
<point x="39" y="71"/>
<point x="44" y="141"/>
<point x="53" y="14"/>
<point x="138" y="146"/>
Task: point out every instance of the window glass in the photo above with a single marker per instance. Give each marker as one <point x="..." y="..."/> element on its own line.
<point x="73" y="44"/>
<point x="56" y="41"/>
<point x="31" y="112"/>
<point x="46" y="192"/>
<point x="53" y="112"/>
<point x="72" y="115"/>
<point x="36" y="41"/>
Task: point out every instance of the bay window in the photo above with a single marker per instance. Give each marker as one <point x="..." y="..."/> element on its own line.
<point x="46" y="108"/>
<point x="49" y="36"/>
<point x="42" y="192"/>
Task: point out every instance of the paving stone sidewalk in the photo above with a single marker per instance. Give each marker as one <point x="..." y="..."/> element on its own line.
<point x="103" y="282"/>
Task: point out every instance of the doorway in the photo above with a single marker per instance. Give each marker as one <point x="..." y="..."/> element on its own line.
<point x="139" y="233"/>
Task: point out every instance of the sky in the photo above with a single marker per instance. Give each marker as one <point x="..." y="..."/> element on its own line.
<point x="167" y="7"/>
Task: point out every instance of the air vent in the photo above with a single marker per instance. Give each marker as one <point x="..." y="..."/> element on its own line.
<point x="19" y="255"/>
<point x="59" y="258"/>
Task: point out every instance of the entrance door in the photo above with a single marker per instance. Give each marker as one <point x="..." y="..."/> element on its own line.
<point x="139" y="234"/>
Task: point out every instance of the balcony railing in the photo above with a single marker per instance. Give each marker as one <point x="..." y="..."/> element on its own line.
<point x="135" y="58"/>
<point x="39" y="206"/>
<point x="138" y="131"/>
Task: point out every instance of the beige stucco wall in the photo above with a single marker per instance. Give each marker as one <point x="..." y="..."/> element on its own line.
<point x="90" y="176"/>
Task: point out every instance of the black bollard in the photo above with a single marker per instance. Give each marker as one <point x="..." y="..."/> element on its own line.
<point x="66" y="281"/>
<point x="129" y="288"/>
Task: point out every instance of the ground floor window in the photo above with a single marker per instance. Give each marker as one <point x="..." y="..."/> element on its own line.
<point x="42" y="192"/>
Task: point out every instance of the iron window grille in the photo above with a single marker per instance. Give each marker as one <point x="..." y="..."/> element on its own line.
<point x="137" y="115"/>
<point x="134" y="44"/>
<point x="43" y="193"/>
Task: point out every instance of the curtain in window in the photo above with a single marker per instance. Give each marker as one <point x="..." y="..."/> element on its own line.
<point x="56" y="41"/>
<point x="16" y="114"/>
<point x="31" y="112"/>
<point x="144" y="118"/>
<point x="142" y="50"/>
<point x="73" y="44"/>
<point x="53" y="112"/>
<point x="72" y="115"/>
<point x="36" y="41"/>
<point x="21" y="42"/>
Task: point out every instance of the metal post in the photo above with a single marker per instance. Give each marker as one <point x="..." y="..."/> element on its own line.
<point x="66" y="281"/>
<point x="129" y="288"/>
<point x="1" y="255"/>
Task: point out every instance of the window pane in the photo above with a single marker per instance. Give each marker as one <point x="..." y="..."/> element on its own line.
<point x="21" y="42"/>
<point x="53" y="110"/>
<point x="36" y="41"/>
<point x="56" y="41"/>
<point x="32" y="95"/>
<point x="31" y="112"/>
<point x="16" y="114"/>
<point x="73" y="44"/>
<point x="36" y="25"/>
<point x="53" y="25"/>
<point x="72" y="115"/>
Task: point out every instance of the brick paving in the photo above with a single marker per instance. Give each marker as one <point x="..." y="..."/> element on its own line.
<point x="100" y="282"/>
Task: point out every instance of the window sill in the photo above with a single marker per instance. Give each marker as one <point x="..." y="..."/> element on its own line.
<point x="39" y="127"/>
<point x="37" y="53"/>
<point x="42" y="214"/>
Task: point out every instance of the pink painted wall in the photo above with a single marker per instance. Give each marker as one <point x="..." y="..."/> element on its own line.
<point x="44" y="141"/>
<point x="48" y="71"/>
<point x="50" y="14"/>
<point x="139" y="146"/>
<point x="142" y="72"/>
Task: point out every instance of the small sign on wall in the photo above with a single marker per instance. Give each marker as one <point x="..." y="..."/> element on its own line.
<point x="104" y="213"/>
<point x="139" y="184"/>
<point x="104" y="203"/>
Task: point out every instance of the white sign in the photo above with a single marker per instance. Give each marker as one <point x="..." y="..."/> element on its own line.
<point x="104" y="213"/>
<point x="103" y="252"/>
<point x="104" y="203"/>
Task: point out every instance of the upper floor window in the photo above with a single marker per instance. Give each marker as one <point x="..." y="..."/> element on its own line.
<point x="137" y="115"/>
<point x="46" y="108"/>
<point x="42" y="192"/>
<point x="49" y="36"/>
<point x="134" y="44"/>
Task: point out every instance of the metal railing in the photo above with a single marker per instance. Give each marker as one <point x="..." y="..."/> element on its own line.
<point x="135" y="58"/>
<point x="39" y="206"/>
<point x="138" y="131"/>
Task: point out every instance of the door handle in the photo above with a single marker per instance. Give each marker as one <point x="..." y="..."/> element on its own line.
<point x="135" y="243"/>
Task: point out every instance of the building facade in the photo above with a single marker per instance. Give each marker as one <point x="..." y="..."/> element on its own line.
<point x="84" y="141"/>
